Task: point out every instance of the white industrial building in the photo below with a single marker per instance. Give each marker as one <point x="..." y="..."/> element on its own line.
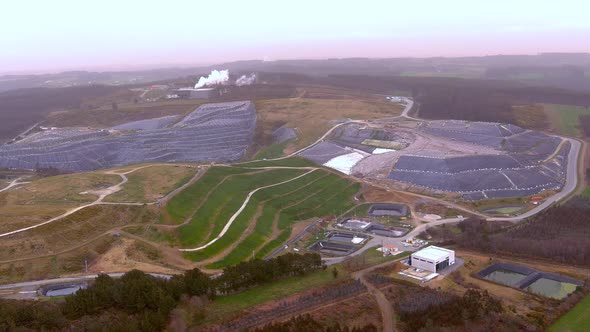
<point x="432" y="259"/>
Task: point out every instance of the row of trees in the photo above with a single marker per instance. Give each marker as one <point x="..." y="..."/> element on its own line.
<point x="141" y="302"/>
<point x="255" y="272"/>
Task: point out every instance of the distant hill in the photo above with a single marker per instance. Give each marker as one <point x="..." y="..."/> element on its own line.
<point x="564" y="70"/>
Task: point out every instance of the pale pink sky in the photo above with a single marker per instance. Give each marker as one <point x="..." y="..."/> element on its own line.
<point x="114" y="34"/>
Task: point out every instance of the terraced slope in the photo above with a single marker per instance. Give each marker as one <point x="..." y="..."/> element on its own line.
<point x="213" y="132"/>
<point x="266" y="221"/>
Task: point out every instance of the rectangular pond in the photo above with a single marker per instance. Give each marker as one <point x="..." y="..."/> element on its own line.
<point x="551" y="288"/>
<point x="542" y="283"/>
<point x="505" y="277"/>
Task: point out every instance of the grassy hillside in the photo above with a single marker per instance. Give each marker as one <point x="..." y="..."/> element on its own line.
<point x="267" y="220"/>
<point x="73" y="230"/>
<point x="48" y="197"/>
<point x="151" y="183"/>
<point x="564" y="118"/>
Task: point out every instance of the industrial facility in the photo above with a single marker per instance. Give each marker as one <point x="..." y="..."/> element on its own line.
<point x="192" y="93"/>
<point x="432" y="259"/>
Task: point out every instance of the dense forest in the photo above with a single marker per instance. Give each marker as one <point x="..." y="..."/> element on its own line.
<point x="140" y="302"/>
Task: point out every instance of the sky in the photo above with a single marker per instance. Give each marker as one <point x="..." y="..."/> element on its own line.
<point x="49" y="36"/>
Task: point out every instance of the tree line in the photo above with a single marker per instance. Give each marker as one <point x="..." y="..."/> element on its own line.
<point x="140" y="302"/>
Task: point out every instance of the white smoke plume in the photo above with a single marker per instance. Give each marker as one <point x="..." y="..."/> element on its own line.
<point x="216" y="77"/>
<point x="246" y="79"/>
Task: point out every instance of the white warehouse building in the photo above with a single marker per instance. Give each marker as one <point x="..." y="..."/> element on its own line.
<point x="432" y="258"/>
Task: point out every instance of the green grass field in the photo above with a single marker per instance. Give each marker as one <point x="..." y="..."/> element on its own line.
<point x="565" y="118"/>
<point x="318" y="194"/>
<point x="267" y="220"/>
<point x="225" y="307"/>
<point x="577" y="319"/>
<point x="187" y="201"/>
<point x="586" y="192"/>
<point x="223" y="202"/>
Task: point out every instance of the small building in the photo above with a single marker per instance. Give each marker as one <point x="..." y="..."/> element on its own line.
<point x="432" y="259"/>
<point x="191" y="93"/>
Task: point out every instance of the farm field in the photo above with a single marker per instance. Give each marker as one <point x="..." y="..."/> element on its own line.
<point x="151" y="183"/>
<point x="576" y="320"/>
<point x="313" y="116"/>
<point x="564" y="118"/>
<point x="50" y="196"/>
<point x="265" y="222"/>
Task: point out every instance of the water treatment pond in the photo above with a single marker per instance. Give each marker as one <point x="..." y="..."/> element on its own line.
<point x="505" y="277"/>
<point x="551" y="288"/>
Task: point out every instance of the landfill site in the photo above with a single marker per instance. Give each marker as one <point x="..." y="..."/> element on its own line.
<point x="476" y="160"/>
<point x="212" y="132"/>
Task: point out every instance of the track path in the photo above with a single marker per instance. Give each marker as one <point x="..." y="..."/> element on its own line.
<point x="102" y="194"/>
<point x="387" y="314"/>
<point x="14" y="183"/>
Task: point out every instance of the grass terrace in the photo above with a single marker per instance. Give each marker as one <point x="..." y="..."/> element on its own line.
<point x="267" y="220"/>
<point x="287" y="162"/>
